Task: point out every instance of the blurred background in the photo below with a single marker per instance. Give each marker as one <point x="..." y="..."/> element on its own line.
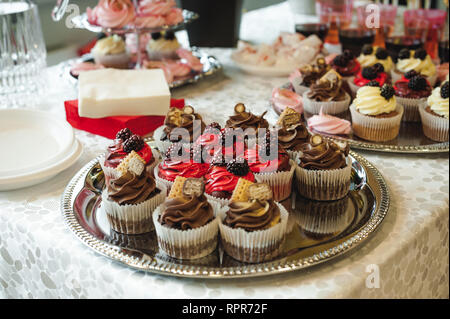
<point x="63" y="43"/>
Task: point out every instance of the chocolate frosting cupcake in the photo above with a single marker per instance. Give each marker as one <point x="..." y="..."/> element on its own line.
<point x="322" y="156"/>
<point x="312" y="72"/>
<point x="130" y="189"/>
<point x="182" y="119"/>
<point x="326" y="91"/>
<point x="243" y="119"/>
<point x="252" y="216"/>
<point x="293" y="138"/>
<point x="187" y="214"/>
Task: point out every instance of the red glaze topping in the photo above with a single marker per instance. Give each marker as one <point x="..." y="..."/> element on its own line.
<point x="219" y="179"/>
<point x="381" y="78"/>
<point x="169" y="170"/>
<point x="352" y="68"/>
<point x="403" y="90"/>
<point x="257" y="166"/>
<point x="115" y="154"/>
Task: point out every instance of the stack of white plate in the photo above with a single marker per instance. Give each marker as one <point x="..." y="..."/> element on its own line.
<point x="34" y="147"/>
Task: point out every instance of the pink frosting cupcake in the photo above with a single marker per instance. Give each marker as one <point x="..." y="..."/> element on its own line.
<point x="149" y="21"/>
<point x="175" y="16"/>
<point x="192" y="61"/>
<point x="282" y="98"/>
<point x="111" y="13"/>
<point x="328" y="124"/>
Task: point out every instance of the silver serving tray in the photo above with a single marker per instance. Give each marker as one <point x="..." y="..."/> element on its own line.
<point x="82" y="22"/>
<point x="338" y="227"/>
<point x="410" y="139"/>
<point x="210" y="63"/>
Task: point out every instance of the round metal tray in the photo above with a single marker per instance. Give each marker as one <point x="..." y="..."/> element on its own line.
<point x="410" y="139"/>
<point x="81" y="22"/>
<point x="211" y="66"/>
<point x="320" y="230"/>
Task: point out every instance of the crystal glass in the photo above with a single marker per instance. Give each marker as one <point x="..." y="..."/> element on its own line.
<point x="22" y="50"/>
<point x="436" y="24"/>
<point x="386" y="25"/>
<point x="337" y="14"/>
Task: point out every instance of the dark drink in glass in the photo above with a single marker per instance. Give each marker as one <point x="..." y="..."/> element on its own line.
<point x="307" y="29"/>
<point x="353" y="39"/>
<point x="443" y="51"/>
<point x="395" y="43"/>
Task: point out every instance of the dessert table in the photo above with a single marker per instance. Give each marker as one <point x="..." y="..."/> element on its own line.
<point x="406" y="257"/>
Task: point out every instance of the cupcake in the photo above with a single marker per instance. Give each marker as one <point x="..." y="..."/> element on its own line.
<point x="272" y="165"/>
<point x="434" y="114"/>
<point x="131" y="196"/>
<point x="372" y="55"/>
<point x="221" y="179"/>
<point x="292" y="134"/>
<point x="163" y="45"/>
<point x="208" y="144"/>
<point x="303" y="77"/>
<point x="191" y="123"/>
<point x="283" y="98"/>
<point x="345" y="64"/>
<point x="376" y="115"/>
<point x="327" y="94"/>
<point x="125" y="143"/>
<point x="178" y="162"/>
<point x="253" y="228"/>
<point x="367" y="74"/>
<point x="324" y="170"/>
<point x="418" y="61"/>
<point x="186" y="224"/>
<point x="111" y="52"/>
<point x="320" y="220"/>
<point x="328" y="124"/>
<point x="244" y="119"/>
<point x="412" y="90"/>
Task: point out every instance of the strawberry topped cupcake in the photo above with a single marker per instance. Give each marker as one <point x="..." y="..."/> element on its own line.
<point x="112" y="13"/>
<point x="368" y="74"/>
<point x="124" y="144"/>
<point x="346" y="64"/>
<point x="303" y="77"/>
<point x="412" y="90"/>
<point x="221" y="179"/>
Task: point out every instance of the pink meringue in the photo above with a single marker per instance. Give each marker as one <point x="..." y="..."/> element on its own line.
<point x="325" y="123"/>
<point x="178" y="69"/>
<point x="282" y="98"/>
<point x="152" y="7"/>
<point x="175" y="16"/>
<point x="149" y="21"/>
<point x="192" y="61"/>
<point x="111" y="13"/>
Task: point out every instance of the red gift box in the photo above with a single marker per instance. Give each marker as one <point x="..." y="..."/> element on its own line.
<point x="109" y="126"/>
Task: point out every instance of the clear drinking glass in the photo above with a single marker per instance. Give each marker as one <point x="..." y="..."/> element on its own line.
<point x="22" y="50"/>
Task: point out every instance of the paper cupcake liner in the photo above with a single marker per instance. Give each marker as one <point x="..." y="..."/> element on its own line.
<point x="257" y="246"/>
<point x="397" y="75"/>
<point x="117" y="61"/>
<point x="161" y="181"/>
<point x="318" y="218"/>
<point x="291" y="222"/>
<point x="188" y="244"/>
<point x="376" y="129"/>
<point x="132" y="219"/>
<point x="314" y="107"/>
<point x="298" y="87"/>
<point x="221" y="201"/>
<point x="324" y="185"/>
<point x="434" y="127"/>
<point x="411" y="108"/>
<point x="353" y="87"/>
<point x="279" y="182"/>
<point x="294" y="155"/>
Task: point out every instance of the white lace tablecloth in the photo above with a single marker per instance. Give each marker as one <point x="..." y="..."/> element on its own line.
<point x="41" y="258"/>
